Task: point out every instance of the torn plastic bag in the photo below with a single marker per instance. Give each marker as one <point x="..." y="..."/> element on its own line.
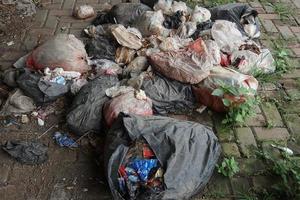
<point x="203" y="29"/>
<point x="174" y="21"/>
<point x="129" y="37"/>
<point x="135" y="67"/>
<point x="203" y="91"/>
<point x="188" y="152"/>
<point x="41" y="91"/>
<point x="126" y="103"/>
<point x="200" y="15"/>
<point x="17" y="103"/>
<point x="96" y="31"/>
<point x="83" y="12"/>
<point x="214" y="50"/>
<point x="186" y="29"/>
<point x="85" y="114"/>
<point x="63" y="50"/>
<point x="122" y="13"/>
<point x="174" y="43"/>
<point x="164" y="5"/>
<point x="27" y="152"/>
<point x="241" y="14"/>
<point x="179" y="6"/>
<point x="151" y="23"/>
<point x="168" y="96"/>
<point x="10" y="76"/>
<point x="227" y="36"/>
<point x="101" y="47"/>
<point x="77" y="85"/>
<point x="105" y="67"/>
<point x="118" y="90"/>
<point x="190" y="65"/>
<point x="124" y="55"/>
<point x="249" y="62"/>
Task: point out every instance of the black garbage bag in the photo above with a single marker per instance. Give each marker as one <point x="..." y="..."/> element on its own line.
<point x="202" y="27"/>
<point x="187" y="151"/>
<point x="173" y="21"/>
<point x="27" y="152"/>
<point x="239" y="13"/>
<point x="168" y="96"/>
<point x="41" y="91"/>
<point x="101" y="47"/>
<point x="122" y="13"/>
<point x="85" y="114"/>
<point x="149" y="3"/>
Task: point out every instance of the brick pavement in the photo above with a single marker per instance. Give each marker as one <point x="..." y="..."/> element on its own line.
<point x="69" y="172"/>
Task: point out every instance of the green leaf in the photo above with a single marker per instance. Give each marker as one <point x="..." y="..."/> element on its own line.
<point x="218" y="92"/>
<point x="226" y="102"/>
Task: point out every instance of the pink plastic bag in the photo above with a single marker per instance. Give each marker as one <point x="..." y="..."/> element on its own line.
<point x="63" y="50"/>
<point x="126" y="103"/>
<point x="189" y="65"/>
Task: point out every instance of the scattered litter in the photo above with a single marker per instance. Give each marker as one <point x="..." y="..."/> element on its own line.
<point x="200" y="15"/>
<point x="40" y="122"/>
<point x="26" y="7"/>
<point x="64" y="140"/>
<point x="24" y="119"/>
<point x="136" y="67"/>
<point x="101" y="47"/>
<point x="83" y="12"/>
<point x="66" y="50"/>
<point x="286" y="150"/>
<point x="118" y="90"/>
<point x="77" y="85"/>
<point x="10" y="43"/>
<point x="130" y="37"/>
<point x="174" y="21"/>
<point x="17" y="103"/>
<point x="85" y="190"/>
<point x="27" y="152"/>
<point x="201" y="109"/>
<point x="124" y="55"/>
<point x="10" y="121"/>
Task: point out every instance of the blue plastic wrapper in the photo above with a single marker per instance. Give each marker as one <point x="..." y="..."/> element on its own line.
<point x="143" y="167"/>
<point x="59" y="80"/>
<point x="64" y="141"/>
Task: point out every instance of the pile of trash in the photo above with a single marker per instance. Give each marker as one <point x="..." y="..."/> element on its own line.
<point x="143" y="60"/>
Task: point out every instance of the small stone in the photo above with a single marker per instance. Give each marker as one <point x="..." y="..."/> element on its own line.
<point x="34" y="114"/>
<point x="85" y="190"/>
<point x="41" y="122"/>
<point x="24" y="119"/>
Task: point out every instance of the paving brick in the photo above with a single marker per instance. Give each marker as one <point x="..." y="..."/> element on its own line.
<point x="269" y="26"/>
<point x="285" y="32"/>
<point x="63" y="27"/>
<point x="257" y="120"/>
<point x="5" y="65"/>
<point x="256" y="4"/>
<point x="272" y="134"/>
<point x="268" y="16"/>
<point x="297" y="3"/>
<point x="296" y="51"/>
<point x="267" y="86"/>
<point x="68" y="4"/>
<point x="294" y="94"/>
<point x="246" y="140"/>
<point x="231" y="149"/>
<point x="251" y="166"/>
<point x="51" y="22"/>
<point x="290" y="107"/>
<point x="269" y="9"/>
<point x="239" y="185"/>
<point x="219" y="186"/>
<point x="272" y="115"/>
<point x="295" y="29"/>
<point x="289" y="83"/>
<point x="11" y="55"/>
<point x="260" y="182"/>
<point x="292" y="74"/>
<point x="4" y="172"/>
<point x="293" y="123"/>
<point x="40" y="17"/>
<point x="58" y="12"/>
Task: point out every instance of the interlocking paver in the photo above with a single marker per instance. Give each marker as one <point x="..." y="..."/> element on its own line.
<point x="246" y="140"/>
<point x="271" y="134"/>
